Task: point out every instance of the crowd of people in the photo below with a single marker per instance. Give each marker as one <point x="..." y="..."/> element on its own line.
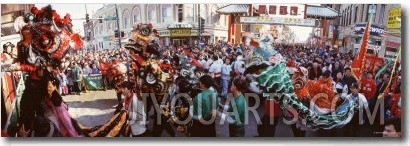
<point x="225" y="64"/>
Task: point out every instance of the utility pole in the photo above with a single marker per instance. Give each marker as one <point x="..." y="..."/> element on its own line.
<point x="199" y="23"/>
<point x="118" y="24"/>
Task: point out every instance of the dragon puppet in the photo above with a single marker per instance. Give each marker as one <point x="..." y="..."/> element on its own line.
<point x="45" y="40"/>
<point x="154" y="74"/>
<point x="269" y="74"/>
<point x="147" y="70"/>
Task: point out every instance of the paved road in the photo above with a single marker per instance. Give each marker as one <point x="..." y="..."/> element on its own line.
<point x="97" y="107"/>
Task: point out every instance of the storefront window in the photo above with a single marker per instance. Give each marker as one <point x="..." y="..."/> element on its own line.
<point x="115" y="24"/>
<point x="101" y="29"/>
<point x="189" y="12"/>
<point x="390" y="52"/>
<point x="166" y="13"/>
<point x="180" y="12"/>
<point x="214" y="16"/>
<point x="152" y="13"/>
<point x="283" y="10"/>
<point x="293" y="10"/>
<point x="126" y="19"/>
<point x="272" y="9"/>
<point x="369" y="7"/>
<point x="136" y="15"/>
<point x="381" y="17"/>
<point x="203" y="11"/>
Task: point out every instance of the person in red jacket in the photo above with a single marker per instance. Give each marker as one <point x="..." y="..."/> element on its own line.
<point x="368" y="86"/>
<point x="104" y="65"/>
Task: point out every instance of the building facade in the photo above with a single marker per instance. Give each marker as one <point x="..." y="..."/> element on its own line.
<point x="175" y="23"/>
<point x="10" y="12"/>
<point x="273" y="18"/>
<point x="352" y="23"/>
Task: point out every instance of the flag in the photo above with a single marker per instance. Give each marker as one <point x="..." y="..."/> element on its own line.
<point x="194" y="60"/>
<point x="382" y="69"/>
<point x="358" y="62"/>
<point x="93" y="82"/>
<point x="391" y="74"/>
<point x="394" y="68"/>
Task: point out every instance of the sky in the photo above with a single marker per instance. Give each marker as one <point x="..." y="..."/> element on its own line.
<point x="77" y="11"/>
<point x="301" y="32"/>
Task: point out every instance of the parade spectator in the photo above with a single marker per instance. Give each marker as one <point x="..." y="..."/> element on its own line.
<point x="326" y="67"/>
<point x="315" y="72"/>
<point x="77" y="78"/>
<point x="104" y="65"/>
<point x="70" y="83"/>
<point x="239" y="106"/>
<point x="352" y="128"/>
<point x="226" y="76"/>
<point x="62" y="89"/>
<point x="392" y="128"/>
<point x="204" y="113"/>
<point x="383" y="84"/>
<point x="215" y="71"/>
<point x="95" y="70"/>
<point x="336" y="68"/>
<point x="368" y="86"/>
<point x="6" y="55"/>
<point x="348" y="79"/>
<point x="239" y="65"/>
<point x="135" y="108"/>
<point x="87" y="70"/>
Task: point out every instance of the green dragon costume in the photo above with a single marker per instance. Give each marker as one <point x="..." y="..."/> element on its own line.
<point x="268" y="71"/>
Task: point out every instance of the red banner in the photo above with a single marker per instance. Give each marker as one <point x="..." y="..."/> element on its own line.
<point x="358" y="62"/>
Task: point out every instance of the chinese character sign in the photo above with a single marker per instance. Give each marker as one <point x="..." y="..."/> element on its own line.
<point x="394" y="18"/>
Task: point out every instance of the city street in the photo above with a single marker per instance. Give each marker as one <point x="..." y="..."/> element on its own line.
<point x="97" y="107"/>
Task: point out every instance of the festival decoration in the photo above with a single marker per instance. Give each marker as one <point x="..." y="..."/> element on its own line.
<point x="268" y="70"/>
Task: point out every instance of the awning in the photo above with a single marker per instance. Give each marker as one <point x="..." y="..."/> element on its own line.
<point x="180" y="25"/>
<point x="321" y="12"/>
<point x="234" y="8"/>
<point x="392" y="45"/>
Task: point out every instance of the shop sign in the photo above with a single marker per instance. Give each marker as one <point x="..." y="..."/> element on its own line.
<point x="370" y="47"/>
<point x="194" y="32"/>
<point x="180" y="32"/>
<point x="374" y="30"/>
<point x="394" y="18"/>
<point x="278" y="20"/>
<point x="164" y="33"/>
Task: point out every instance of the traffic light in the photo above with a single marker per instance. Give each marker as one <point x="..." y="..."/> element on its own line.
<point x="201" y="30"/>
<point x="87" y="18"/>
<point x="100" y="20"/>
<point x="116" y="33"/>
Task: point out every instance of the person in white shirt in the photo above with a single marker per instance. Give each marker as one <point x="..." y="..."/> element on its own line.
<point x="136" y="110"/>
<point x="239" y="65"/>
<point x="327" y="66"/>
<point x="352" y="127"/>
<point x="216" y="71"/>
<point x="208" y="63"/>
<point x="87" y="70"/>
<point x="203" y="62"/>
<point x="226" y="76"/>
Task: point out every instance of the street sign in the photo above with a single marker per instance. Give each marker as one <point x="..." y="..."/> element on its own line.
<point x="375" y="30"/>
<point x="394" y="18"/>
